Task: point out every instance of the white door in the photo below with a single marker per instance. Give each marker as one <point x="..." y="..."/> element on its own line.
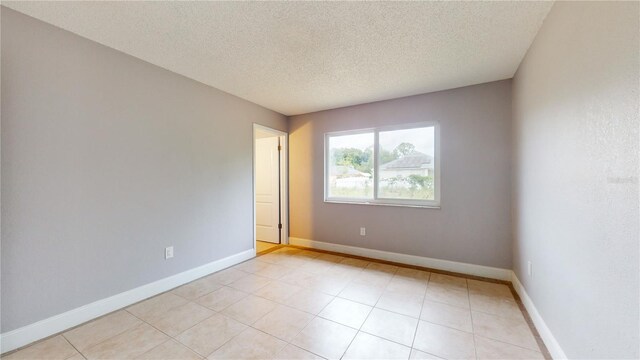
<point x="267" y="194"/>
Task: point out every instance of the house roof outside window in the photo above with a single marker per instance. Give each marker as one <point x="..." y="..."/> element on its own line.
<point x="414" y="160"/>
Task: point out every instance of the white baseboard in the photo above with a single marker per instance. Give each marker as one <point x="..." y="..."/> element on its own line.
<point x="58" y="323"/>
<point x="545" y="333"/>
<point x="445" y="265"/>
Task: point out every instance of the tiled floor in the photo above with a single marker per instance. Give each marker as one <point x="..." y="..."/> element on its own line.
<point x="263" y="245"/>
<point x="299" y="304"/>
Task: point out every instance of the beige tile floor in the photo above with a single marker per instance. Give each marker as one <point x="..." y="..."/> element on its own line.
<point x="263" y="245"/>
<point x="300" y="304"/>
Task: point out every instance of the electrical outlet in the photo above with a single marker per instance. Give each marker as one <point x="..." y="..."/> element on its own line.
<point x="168" y="252"/>
<point x="529" y="268"/>
<point x="363" y="231"/>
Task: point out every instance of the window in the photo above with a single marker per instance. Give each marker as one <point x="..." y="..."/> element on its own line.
<point x="350" y="171"/>
<point x="388" y="166"/>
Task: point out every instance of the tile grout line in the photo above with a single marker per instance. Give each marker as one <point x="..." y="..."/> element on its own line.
<point x="357" y="331"/>
<point x="288" y="342"/>
<point x="108" y="338"/>
<point x="221" y="345"/>
<point x="473" y="331"/>
<point x="189" y="328"/>
<point x="508" y="343"/>
<point x="144" y="322"/>
<point x="369" y="314"/>
<point x="73" y="346"/>
<point x="315" y="316"/>
<point x="367" y="318"/>
<point x="424" y="298"/>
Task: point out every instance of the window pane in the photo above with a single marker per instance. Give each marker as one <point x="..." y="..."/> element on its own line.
<point x="407" y="164"/>
<point x="351" y="166"/>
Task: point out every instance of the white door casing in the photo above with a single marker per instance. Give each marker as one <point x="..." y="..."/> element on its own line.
<point x="267" y="190"/>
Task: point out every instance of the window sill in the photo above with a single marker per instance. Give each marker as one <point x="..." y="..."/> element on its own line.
<point x="419" y="206"/>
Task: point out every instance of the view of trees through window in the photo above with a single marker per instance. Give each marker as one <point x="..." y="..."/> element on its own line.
<point x="406" y="165"/>
<point x="351" y="166"/>
<point x="409" y="173"/>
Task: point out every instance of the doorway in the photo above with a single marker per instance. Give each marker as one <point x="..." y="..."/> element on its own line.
<point x="269" y="187"/>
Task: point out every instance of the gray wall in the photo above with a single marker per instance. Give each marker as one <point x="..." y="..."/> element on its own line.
<point x="106" y="160"/>
<point x="473" y="225"/>
<point x="576" y="177"/>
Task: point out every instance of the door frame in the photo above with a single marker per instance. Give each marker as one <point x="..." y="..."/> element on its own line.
<point x="284" y="181"/>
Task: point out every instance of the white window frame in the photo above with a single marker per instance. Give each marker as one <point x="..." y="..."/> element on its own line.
<point x="433" y="204"/>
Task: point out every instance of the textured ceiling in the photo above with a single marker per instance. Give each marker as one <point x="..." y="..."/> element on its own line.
<point x="299" y="57"/>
